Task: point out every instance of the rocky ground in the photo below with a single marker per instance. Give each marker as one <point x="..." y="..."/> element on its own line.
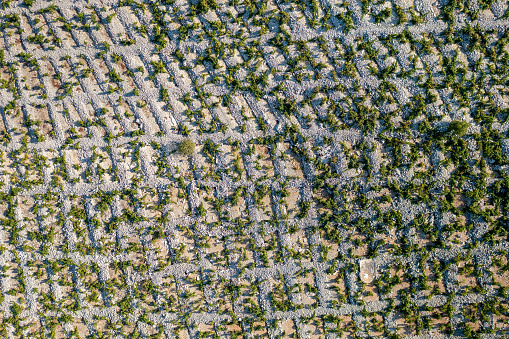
<point x="349" y="176"/>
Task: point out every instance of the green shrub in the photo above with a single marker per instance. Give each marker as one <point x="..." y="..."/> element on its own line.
<point x="28" y="3"/>
<point x="186" y="147"/>
<point x="459" y="127"/>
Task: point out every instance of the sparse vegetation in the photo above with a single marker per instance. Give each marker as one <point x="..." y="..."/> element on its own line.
<point x="332" y="137"/>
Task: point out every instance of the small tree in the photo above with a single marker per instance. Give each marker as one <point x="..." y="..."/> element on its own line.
<point x="459" y="127"/>
<point x="186" y="147"/>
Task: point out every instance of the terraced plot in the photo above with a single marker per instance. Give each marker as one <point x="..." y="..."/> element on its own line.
<point x="349" y="177"/>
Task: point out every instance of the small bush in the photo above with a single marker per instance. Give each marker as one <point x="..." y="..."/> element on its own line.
<point x="459" y="127"/>
<point x="186" y="147"/>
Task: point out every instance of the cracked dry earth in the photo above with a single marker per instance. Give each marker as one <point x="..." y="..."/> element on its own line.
<point x="329" y="136"/>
